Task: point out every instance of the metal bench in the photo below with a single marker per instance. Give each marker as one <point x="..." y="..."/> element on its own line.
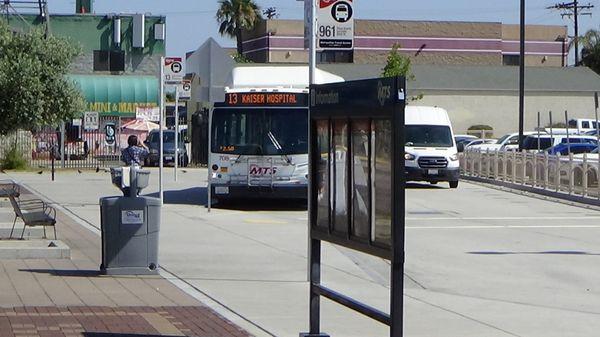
<point x="33" y="213"/>
<point x="9" y="187"/>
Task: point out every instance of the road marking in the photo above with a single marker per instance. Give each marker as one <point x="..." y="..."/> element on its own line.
<point x="508" y="218"/>
<point x="501" y="227"/>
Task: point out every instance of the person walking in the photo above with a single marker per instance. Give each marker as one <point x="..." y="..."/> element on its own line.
<point x="135" y="153"/>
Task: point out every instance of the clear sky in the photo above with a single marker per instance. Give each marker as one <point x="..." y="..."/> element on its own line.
<point x="191" y="22"/>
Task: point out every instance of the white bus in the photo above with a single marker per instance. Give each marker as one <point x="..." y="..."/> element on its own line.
<point x="259" y="135"/>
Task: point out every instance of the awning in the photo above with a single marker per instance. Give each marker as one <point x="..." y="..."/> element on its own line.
<point x="117" y="95"/>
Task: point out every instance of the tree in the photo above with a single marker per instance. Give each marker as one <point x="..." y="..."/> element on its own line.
<point x="397" y="64"/>
<point x="590" y="53"/>
<point x="236" y="15"/>
<point x="35" y="89"/>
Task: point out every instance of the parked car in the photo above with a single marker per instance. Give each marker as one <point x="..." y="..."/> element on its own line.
<point x="530" y="143"/>
<point x="507" y="142"/>
<point x="576" y="148"/>
<point x="462" y="140"/>
<point x="479" y="142"/>
<point x="153" y="144"/>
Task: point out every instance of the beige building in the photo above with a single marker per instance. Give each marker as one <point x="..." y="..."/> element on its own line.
<point x="475" y="95"/>
<point x="426" y="42"/>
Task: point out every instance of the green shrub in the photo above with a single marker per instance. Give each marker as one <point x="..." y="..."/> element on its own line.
<point x="13" y="160"/>
<point x="480" y="127"/>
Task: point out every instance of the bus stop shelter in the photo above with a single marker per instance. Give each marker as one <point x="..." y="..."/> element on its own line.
<point x="356" y="193"/>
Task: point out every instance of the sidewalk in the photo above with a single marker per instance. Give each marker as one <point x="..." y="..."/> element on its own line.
<point x="70" y="298"/>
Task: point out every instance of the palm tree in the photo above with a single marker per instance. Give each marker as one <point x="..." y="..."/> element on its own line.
<point x="234" y="16"/>
<point x="590" y="53"/>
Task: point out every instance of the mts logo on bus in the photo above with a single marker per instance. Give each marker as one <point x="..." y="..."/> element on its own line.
<point x="256" y="170"/>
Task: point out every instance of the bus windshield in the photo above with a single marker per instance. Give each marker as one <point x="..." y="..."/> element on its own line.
<point x="260" y="131"/>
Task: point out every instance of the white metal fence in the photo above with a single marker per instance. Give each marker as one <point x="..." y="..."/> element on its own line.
<point x="565" y="174"/>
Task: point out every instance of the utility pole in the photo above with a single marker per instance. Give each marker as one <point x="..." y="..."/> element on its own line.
<point x="574" y="9"/>
<point x="522" y="76"/>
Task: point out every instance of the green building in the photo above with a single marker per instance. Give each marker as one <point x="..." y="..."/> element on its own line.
<point x="119" y="66"/>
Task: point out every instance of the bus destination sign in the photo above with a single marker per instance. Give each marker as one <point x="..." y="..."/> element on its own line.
<point x="266" y="99"/>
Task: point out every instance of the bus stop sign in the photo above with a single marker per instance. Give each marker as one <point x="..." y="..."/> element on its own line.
<point x="356" y="193"/>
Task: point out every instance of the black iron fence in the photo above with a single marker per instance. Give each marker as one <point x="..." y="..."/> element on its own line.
<point x="72" y="146"/>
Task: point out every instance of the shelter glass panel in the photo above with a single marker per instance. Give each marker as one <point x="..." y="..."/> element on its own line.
<point x="340" y="145"/>
<point x="382" y="152"/>
<point x="322" y="173"/>
<point x="360" y="179"/>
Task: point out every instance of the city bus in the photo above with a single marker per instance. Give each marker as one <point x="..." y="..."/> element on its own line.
<point x="258" y="141"/>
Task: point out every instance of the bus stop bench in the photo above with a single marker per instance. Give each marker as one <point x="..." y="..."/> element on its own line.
<point x="33" y="213"/>
<point x="9" y="187"/>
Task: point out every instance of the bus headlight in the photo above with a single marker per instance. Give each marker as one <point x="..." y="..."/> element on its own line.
<point x="409" y="156"/>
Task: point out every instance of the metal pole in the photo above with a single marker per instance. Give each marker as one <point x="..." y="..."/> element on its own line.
<point x="567" y="124"/>
<point x="575" y="10"/>
<point x="551" y="129"/>
<point x="314" y="246"/>
<point x="538" y="128"/>
<point x="597" y="139"/>
<point x="160" y="132"/>
<point x="176" y="131"/>
<point x="398" y="224"/>
<point x="522" y="77"/>
<point x="209" y="177"/>
<point x="62" y="145"/>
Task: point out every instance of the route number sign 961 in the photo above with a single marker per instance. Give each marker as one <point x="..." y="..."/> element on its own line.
<point x="335" y="24"/>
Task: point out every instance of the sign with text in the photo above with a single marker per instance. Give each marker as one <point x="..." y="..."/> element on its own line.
<point x="173" y="70"/>
<point x="266" y="99"/>
<point x="90" y="120"/>
<point x="151" y="114"/>
<point x="335" y="22"/>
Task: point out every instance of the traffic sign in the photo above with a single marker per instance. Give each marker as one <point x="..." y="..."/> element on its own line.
<point x="185" y="90"/>
<point x="335" y="24"/>
<point x="173" y="70"/>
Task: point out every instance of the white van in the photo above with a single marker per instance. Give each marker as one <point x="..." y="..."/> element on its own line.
<point x="430" y="150"/>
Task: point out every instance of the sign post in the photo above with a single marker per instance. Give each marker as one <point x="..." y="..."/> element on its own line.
<point x="171" y="72"/>
<point x="356" y="194"/>
<point x="176" y="131"/>
<point x="161" y="123"/>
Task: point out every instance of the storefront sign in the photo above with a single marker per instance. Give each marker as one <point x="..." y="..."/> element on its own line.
<point x="151" y="114"/>
<point x="121" y="107"/>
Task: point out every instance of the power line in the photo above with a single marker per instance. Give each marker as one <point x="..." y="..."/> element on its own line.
<point x="574" y="9"/>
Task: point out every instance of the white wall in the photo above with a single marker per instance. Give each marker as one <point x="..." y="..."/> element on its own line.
<point x="501" y="109"/>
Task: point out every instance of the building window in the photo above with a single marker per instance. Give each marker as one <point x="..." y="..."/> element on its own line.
<point x="105" y="60"/>
<point x="332" y="56"/>
<point x="511" y="60"/>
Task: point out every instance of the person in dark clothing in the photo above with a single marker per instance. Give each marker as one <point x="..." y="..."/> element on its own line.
<point x="135" y="153"/>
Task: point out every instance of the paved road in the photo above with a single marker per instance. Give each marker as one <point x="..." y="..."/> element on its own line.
<point x="480" y="262"/>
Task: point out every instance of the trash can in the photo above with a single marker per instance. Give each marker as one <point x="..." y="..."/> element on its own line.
<point x="130" y="226"/>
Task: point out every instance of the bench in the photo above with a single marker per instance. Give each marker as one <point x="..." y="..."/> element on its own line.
<point x="9" y="187"/>
<point x="33" y="213"/>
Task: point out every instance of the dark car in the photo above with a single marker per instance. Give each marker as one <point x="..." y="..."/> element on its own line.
<point x="576" y="148"/>
<point x="153" y="144"/>
<point x="462" y="141"/>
